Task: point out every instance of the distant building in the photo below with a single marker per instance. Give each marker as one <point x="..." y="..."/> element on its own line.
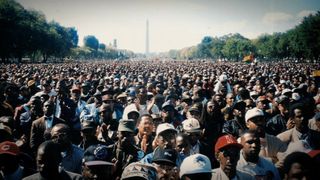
<point x="115" y="43"/>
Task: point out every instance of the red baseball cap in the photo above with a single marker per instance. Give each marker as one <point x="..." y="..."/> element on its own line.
<point x="226" y="141"/>
<point x="8" y="147"/>
<point x="313" y="153"/>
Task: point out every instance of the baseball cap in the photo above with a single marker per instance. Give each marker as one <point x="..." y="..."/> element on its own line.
<point x="255" y="112"/>
<point x="195" y="164"/>
<point x="127" y="125"/>
<point x="167" y="104"/>
<point x="223" y="78"/>
<point x="88" y="125"/>
<point x="191" y="125"/>
<point x="286" y="91"/>
<point x="168" y="156"/>
<point x="139" y="170"/>
<point x="8" y="147"/>
<point x="165" y="127"/>
<point x="30" y="83"/>
<point x="122" y="95"/>
<point x="226" y="141"/>
<point x="314" y="153"/>
<point x="96" y="155"/>
<point x="282" y="99"/>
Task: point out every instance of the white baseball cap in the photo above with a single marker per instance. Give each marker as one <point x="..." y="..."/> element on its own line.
<point x="223" y="78"/>
<point x="194" y="164"/>
<point x="165" y="127"/>
<point x="191" y="125"/>
<point x="255" y="112"/>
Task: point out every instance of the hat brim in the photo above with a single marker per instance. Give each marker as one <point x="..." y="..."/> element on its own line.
<point x="164" y="161"/>
<point x="237" y="145"/>
<point x="193" y="130"/>
<point x="125" y="129"/>
<point x="173" y="130"/>
<point x="98" y="163"/>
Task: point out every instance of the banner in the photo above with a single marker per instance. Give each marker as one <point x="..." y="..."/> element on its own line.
<point x="248" y="59"/>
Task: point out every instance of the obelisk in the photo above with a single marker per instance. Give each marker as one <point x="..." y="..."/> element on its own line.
<point x="147" y="38"/>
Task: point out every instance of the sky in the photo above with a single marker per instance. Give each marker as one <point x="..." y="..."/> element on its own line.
<point x="173" y="24"/>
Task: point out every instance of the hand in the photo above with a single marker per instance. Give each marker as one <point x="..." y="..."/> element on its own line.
<point x="290" y="124"/>
<point x="137" y="103"/>
<point x="150" y="105"/>
<point x="144" y="142"/>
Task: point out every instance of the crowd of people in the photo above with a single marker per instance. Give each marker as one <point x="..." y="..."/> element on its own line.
<point x="159" y="120"/>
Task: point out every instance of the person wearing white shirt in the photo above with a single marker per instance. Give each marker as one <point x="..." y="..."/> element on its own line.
<point x="250" y="161"/>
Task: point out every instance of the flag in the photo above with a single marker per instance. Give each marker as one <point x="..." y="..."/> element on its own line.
<point x="316" y="73"/>
<point x="248" y="59"/>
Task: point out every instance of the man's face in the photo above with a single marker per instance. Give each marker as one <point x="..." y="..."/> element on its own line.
<point x="263" y="105"/>
<point x="167" y="112"/>
<point x="46" y="163"/>
<point x="238" y="113"/>
<point x="167" y="140"/>
<point x="228" y="158"/>
<point x="230" y="99"/>
<point x="258" y="124"/>
<point x="297" y="171"/>
<point x="75" y="95"/>
<point x="60" y="136"/>
<point x="47" y="88"/>
<point x="251" y="145"/>
<point x="183" y="146"/>
<point x="210" y="108"/>
<point x="145" y="126"/>
<point x="48" y="108"/>
<point x="193" y="137"/>
<point x="35" y="105"/>
<point x="106" y="114"/>
<point x="97" y="172"/>
<point x="300" y="122"/>
<point x="166" y="171"/>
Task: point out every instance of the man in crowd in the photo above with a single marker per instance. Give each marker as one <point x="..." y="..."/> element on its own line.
<point x="227" y="151"/>
<point x="250" y="161"/>
<point x="41" y="128"/>
<point x="71" y="154"/>
<point x="144" y="138"/>
<point x="48" y="160"/>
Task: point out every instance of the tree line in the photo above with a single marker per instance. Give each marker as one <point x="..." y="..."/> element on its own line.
<point x="27" y="34"/>
<point x="300" y="44"/>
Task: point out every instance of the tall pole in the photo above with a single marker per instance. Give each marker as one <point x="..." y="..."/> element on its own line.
<point x="147" y="38"/>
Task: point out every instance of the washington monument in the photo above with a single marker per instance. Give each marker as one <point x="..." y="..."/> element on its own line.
<point x="147" y="38"/>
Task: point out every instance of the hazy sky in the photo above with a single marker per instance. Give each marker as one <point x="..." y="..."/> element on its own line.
<point x="173" y="24"/>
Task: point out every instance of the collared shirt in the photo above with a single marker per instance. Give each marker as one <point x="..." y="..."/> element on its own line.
<point x="218" y="174"/>
<point x="49" y="121"/>
<point x="262" y="168"/>
<point x="195" y="149"/>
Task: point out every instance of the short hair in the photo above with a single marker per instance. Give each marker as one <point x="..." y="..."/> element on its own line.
<point x="50" y="149"/>
<point x="64" y="126"/>
<point x="296" y="106"/>
<point x="297" y="157"/>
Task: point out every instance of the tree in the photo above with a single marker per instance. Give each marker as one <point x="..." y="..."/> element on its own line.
<point x="91" y="42"/>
